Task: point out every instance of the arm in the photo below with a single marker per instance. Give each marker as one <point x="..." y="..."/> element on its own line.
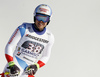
<point x="12" y="43"/>
<point x="46" y="54"/>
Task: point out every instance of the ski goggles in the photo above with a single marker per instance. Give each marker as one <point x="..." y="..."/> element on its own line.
<point x="43" y="18"/>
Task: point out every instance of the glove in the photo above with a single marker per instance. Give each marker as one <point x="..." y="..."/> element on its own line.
<point x="14" y="70"/>
<point x="32" y="69"/>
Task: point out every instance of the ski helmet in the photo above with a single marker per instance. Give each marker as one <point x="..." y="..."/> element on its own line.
<point x="43" y="9"/>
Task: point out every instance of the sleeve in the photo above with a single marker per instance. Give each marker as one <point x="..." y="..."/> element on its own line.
<point x="46" y="54"/>
<point x="12" y="43"/>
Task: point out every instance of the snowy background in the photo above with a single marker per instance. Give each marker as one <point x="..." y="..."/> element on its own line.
<point x="76" y="27"/>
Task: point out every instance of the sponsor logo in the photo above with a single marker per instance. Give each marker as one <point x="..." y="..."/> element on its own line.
<point x="29" y="53"/>
<point x="18" y="53"/>
<point x="36" y="38"/>
<point x="27" y="59"/>
<point x="13" y="36"/>
<point x="43" y="10"/>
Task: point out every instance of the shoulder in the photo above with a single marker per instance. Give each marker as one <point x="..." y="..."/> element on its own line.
<point x="24" y="25"/>
<point x="51" y="36"/>
<point x="49" y="33"/>
<point x="22" y="28"/>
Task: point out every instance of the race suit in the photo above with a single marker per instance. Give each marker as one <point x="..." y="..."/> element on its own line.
<point x="32" y="46"/>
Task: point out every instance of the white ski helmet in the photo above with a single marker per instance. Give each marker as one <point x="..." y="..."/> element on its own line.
<point x="43" y="9"/>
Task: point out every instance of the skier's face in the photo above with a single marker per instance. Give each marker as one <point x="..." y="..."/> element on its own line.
<point x="40" y="24"/>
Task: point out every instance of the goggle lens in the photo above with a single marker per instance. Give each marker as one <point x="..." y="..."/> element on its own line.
<point x="42" y="18"/>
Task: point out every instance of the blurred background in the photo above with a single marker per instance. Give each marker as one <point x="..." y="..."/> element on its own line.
<point x="76" y="27"/>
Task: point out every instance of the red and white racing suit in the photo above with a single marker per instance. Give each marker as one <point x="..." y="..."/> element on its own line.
<point x="31" y="45"/>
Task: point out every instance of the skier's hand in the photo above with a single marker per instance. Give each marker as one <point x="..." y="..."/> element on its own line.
<point x="14" y="70"/>
<point x="32" y="69"/>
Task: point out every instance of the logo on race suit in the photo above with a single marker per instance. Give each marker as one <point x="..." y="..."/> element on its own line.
<point x="13" y="36"/>
<point x="27" y="59"/>
<point x="28" y="53"/>
<point x="31" y="49"/>
<point x="36" y="38"/>
<point x="19" y="53"/>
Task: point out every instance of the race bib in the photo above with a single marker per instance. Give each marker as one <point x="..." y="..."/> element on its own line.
<point x="29" y="51"/>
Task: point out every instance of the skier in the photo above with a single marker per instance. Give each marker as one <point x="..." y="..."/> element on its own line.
<point x="33" y="42"/>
